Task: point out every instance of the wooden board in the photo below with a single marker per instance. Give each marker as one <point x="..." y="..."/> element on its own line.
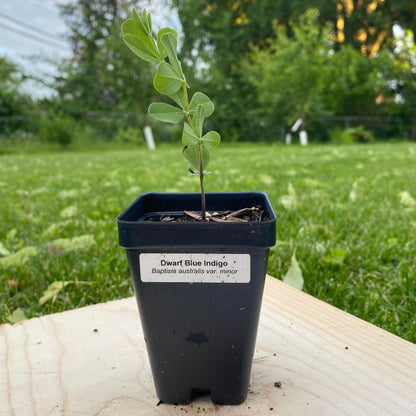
<point x="311" y="359"/>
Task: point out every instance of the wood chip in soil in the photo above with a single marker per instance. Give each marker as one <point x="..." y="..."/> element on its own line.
<point x="242" y="215"/>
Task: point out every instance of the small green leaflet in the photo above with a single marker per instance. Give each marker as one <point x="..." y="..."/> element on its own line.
<point x="188" y="135"/>
<point x="165" y="112"/>
<point x="294" y="276"/>
<point x="170" y="43"/>
<point x="200" y="98"/>
<point x="211" y="139"/>
<point x="130" y="27"/>
<point x="167" y="81"/>
<point x="192" y="142"/>
<point x="137" y="34"/>
<point x="179" y="99"/>
<point x="162" y="50"/>
<point x="144" y="21"/>
<point x="198" y="120"/>
<point x="193" y="156"/>
<point x="142" y="47"/>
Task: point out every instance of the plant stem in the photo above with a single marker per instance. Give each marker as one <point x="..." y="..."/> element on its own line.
<point x="201" y="182"/>
<point x="201" y="171"/>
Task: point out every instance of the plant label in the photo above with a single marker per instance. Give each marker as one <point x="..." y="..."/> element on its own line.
<point x="194" y="268"/>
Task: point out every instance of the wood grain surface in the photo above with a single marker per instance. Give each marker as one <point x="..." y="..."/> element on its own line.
<point x="311" y="359"/>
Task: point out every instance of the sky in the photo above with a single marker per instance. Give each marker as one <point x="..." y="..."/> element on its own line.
<point x="34" y="27"/>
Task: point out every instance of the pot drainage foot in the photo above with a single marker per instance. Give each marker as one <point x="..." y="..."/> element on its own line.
<point x="179" y="396"/>
<point x="196" y="393"/>
<point x="186" y="396"/>
<point x="227" y="398"/>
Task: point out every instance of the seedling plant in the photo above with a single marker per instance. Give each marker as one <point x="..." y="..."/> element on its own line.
<point x="170" y="81"/>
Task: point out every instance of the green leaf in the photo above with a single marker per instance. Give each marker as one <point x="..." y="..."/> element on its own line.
<point x="179" y="98"/>
<point x="335" y="257"/>
<point x="211" y="139"/>
<point x="167" y="81"/>
<point x="139" y="39"/>
<point x="20" y="257"/>
<point x="162" y="50"/>
<point x="188" y="135"/>
<point x="130" y="26"/>
<point x="201" y="98"/>
<point x="69" y="212"/>
<point x="198" y="120"/>
<point x="195" y="153"/>
<point x="294" y="276"/>
<point x="289" y="201"/>
<point x="68" y="193"/>
<point x="170" y="43"/>
<point x="56" y="228"/>
<point x="11" y="235"/>
<point x="147" y="21"/>
<point x="267" y="179"/>
<point x="166" y="112"/>
<point x="3" y="250"/>
<point x="17" y="316"/>
<point x="53" y="289"/>
<point x="144" y="22"/>
<point x="65" y="245"/>
<point x="143" y="46"/>
<point x="407" y="199"/>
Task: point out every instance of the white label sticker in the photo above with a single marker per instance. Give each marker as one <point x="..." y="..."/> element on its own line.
<point x="194" y="268"/>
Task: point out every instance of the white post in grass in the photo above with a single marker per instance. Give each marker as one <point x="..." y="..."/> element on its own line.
<point x="297" y="124"/>
<point x="303" y="137"/>
<point x="148" y="135"/>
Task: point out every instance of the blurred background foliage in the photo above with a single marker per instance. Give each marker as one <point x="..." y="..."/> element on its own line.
<point x="339" y="65"/>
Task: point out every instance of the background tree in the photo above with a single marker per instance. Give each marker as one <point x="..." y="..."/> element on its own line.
<point x="367" y="24"/>
<point x="13" y="102"/>
<point x="102" y="83"/>
<point x="287" y="72"/>
<point x="218" y="34"/>
<point x="101" y="75"/>
<point x="352" y="84"/>
<point x="403" y="80"/>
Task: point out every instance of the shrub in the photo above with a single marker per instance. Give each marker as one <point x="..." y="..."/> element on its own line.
<point x="351" y="135"/>
<point x="132" y="135"/>
<point x="57" y="129"/>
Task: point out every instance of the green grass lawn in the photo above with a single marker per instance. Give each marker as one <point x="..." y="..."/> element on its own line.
<point x="349" y="212"/>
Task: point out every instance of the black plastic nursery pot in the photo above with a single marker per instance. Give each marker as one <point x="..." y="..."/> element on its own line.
<point x="199" y="287"/>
